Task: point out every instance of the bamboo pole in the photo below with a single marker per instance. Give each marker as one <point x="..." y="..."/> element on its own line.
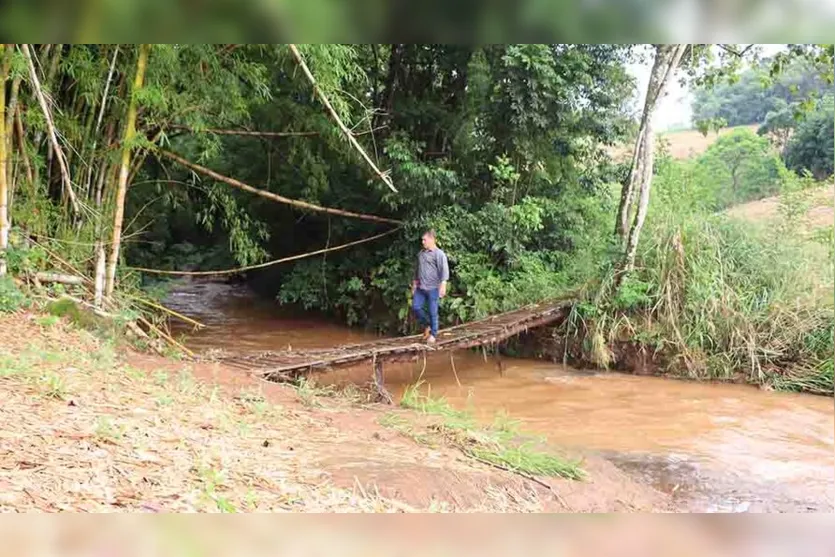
<point x="50" y="126"/>
<point x="130" y="134"/>
<point x="5" y="54"/>
<point x="21" y="145"/>
<point x="383" y="176"/>
<point x="269" y="195"/>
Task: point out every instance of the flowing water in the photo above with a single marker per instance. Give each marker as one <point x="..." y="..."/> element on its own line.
<point x="713" y="447"/>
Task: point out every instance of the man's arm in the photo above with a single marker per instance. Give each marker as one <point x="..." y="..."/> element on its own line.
<point x="444" y="266"/>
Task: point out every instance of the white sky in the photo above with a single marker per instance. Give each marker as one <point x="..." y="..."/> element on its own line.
<point x="674" y="108"/>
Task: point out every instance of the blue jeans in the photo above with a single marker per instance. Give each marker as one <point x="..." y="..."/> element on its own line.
<point x="422" y="298"/>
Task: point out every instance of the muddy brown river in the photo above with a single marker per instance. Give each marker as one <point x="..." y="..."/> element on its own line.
<point x="713" y="447"/>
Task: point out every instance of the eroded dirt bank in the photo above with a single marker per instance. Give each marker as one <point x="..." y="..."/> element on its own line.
<point x="90" y="427"/>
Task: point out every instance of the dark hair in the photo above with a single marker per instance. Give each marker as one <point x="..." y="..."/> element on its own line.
<point x="430" y="232"/>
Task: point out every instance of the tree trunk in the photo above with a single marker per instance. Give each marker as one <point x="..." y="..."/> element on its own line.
<point x="130" y="133"/>
<point x="5" y="54"/>
<point x="383" y="104"/>
<point x="667" y="58"/>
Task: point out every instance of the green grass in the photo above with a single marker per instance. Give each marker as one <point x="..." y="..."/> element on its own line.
<point x="212" y="481"/>
<point x="501" y="444"/>
<point x="47" y="321"/>
<point x="722" y="299"/>
<point x="107" y="430"/>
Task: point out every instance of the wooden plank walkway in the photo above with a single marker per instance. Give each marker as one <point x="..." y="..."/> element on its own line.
<point x="289" y="364"/>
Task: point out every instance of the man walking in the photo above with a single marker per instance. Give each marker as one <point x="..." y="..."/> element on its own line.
<point x="429" y="284"/>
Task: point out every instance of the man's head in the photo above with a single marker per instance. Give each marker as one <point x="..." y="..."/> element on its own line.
<point x="428" y="239"/>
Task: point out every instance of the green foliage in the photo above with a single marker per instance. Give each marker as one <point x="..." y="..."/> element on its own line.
<point x="499" y="148"/>
<point x="812" y="147"/>
<point x="738" y="167"/>
<point x="761" y="89"/>
<point x="11" y="298"/>
<point x="724" y="299"/>
<point x="710" y="125"/>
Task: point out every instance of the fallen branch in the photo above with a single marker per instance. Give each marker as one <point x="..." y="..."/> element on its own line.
<point x="167" y="310"/>
<point x="58" y="277"/>
<point x="273" y="196"/>
<point x="156" y="330"/>
<point x="383" y="176"/>
<point x="266" y="264"/>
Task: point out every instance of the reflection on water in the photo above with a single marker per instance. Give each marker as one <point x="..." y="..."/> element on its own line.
<point x="717" y="447"/>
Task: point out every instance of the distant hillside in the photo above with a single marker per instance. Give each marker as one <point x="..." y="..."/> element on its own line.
<point x="821" y="214"/>
<point x="682" y="144"/>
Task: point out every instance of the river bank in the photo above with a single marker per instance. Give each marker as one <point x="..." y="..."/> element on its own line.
<point x="94" y="427"/>
<point x="707" y="446"/>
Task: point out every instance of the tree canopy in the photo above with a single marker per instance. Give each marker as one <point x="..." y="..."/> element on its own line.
<point x="754" y="93"/>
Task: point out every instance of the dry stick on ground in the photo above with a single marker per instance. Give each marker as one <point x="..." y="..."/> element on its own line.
<point x="50" y="126"/>
<point x="266" y="264"/>
<point x="131" y="325"/>
<point x="58" y="277"/>
<point x="383" y="176"/>
<point x="169" y="311"/>
<point x="273" y="196"/>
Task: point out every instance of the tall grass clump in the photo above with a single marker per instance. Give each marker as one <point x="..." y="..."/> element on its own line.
<point x="730" y="298"/>
<point x="723" y="298"/>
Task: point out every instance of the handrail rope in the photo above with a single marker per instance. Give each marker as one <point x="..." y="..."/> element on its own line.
<point x="267" y="263"/>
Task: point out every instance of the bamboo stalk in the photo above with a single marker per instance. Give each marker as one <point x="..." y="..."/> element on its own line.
<point x="269" y="195"/>
<point x="166" y="336"/>
<point x="53" y="137"/>
<point x="21" y="145"/>
<point x="167" y="310"/>
<point x="121" y="193"/>
<point x="9" y="130"/>
<point x="5" y="52"/>
<point x="383" y="176"/>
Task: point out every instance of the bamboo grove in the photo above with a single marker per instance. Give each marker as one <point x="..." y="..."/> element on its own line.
<point x="79" y="123"/>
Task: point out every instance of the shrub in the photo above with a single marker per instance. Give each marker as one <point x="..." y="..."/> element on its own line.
<point x="812" y="147"/>
<point x="11" y="298"/>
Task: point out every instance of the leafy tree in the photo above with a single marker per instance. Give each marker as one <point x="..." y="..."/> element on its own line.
<point x="742" y="167"/>
<point x="749" y="97"/>
<point x="811" y="147"/>
<point x="780" y="122"/>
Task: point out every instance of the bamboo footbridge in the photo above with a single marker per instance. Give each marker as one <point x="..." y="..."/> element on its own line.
<point x="287" y="365"/>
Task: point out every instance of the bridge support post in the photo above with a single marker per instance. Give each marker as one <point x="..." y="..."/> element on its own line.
<point x="382" y="394"/>
<point x="498" y="358"/>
